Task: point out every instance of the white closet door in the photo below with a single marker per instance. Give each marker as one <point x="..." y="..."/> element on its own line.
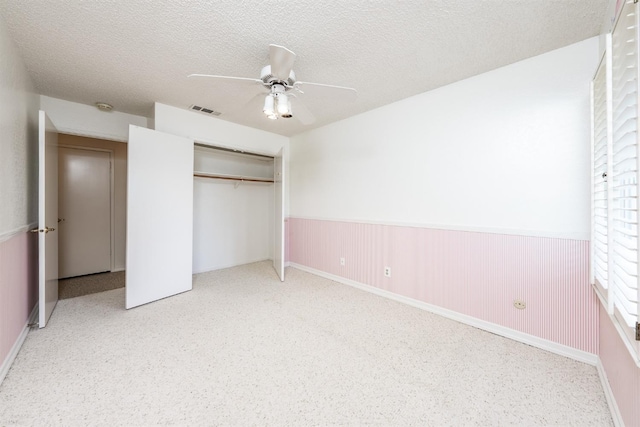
<point x="278" y="178"/>
<point x="159" y="215"/>
<point x="47" y="219"/>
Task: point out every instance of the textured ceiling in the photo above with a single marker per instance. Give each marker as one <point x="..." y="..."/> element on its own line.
<point x="131" y="53"/>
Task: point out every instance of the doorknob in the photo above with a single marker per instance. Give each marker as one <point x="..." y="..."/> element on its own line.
<point x="45" y="230"/>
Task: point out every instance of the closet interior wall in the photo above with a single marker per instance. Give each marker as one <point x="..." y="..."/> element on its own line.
<point x="233" y="219"/>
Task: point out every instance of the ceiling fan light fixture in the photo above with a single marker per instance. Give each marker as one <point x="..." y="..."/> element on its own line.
<point x="284" y="106"/>
<point x="268" y="108"/>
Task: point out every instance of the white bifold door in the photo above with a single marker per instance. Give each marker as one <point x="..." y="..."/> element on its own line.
<point x="47" y="218"/>
<point x="278" y="179"/>
<point x="159" y="215"/>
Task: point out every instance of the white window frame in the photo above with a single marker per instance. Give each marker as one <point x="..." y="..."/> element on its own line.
<point x="607" y="291"/>
<point x="605" y="63"/>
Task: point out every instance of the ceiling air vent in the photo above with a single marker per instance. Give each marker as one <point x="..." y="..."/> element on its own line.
<point x="205" y="110"/>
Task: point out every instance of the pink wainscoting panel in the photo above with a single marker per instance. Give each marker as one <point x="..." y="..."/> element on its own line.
<point x="286" y="240"/>
<point x="622" y="372"/>
<point x="18" y="286"/>
<point x="477" y="274"/>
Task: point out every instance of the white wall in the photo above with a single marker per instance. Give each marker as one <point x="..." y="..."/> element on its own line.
<point x="504" y="151"/>
<point x="232" y="226"/>
<point x="18" y="141"/>
<point x="86" y="120"/>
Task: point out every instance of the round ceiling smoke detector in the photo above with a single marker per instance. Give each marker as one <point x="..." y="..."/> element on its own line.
<point x="103" y="106"/>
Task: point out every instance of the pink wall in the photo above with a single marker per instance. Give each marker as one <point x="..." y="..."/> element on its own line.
<point x="622" y="372"/>
<point x="18" y="286"/>
<point x="286" y="240"/>
<point x="477" y="274"/>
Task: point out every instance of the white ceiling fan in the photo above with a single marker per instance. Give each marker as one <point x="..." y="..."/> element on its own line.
<point x="281" y="91"/>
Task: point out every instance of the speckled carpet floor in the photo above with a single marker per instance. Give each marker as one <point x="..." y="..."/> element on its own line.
<point x="90" y="284"/>
<point x="244" y="349"/>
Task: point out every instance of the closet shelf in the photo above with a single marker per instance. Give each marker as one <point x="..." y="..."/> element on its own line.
<point x="232" y="177"/>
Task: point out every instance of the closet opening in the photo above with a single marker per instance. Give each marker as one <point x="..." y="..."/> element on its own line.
<point x="235" y="205"/>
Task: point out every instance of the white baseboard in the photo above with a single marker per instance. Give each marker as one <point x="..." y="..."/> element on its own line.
<point x="8" y="361"/>
<point x="553" y="347"/>
<point x="608" y="394"/>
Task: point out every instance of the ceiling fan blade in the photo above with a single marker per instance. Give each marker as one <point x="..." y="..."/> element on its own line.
<point x="245" y="103"/>
<point x="227" y="79"/>
<point x="346" y="94"/>
<point x="281" y="60"/>
<point x="254" y="103"/>
<point x="301" y="112"/>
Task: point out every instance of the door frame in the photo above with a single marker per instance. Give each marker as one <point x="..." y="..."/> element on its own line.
<point x="112" y="208"/>
<point x="279" y="241"/>
<point x="46" y="283"/>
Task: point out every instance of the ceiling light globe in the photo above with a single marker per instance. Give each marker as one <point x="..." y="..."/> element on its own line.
<point x="268" y="106"/>
<point x="283" y="105"/>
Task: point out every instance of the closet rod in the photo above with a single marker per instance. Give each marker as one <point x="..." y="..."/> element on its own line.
<point x="231" y="150"/>
<point x="231" y="178"/>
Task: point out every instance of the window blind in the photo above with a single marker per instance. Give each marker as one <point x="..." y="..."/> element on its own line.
<point x="623" y="244"/>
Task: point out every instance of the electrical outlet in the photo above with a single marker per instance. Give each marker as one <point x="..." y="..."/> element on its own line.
<point x="519" y="304"/>
<point x="342" y="261"/>
<point x="387" y="271"/>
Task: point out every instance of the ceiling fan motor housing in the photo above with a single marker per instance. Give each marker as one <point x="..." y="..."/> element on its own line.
<point x="269" y="79"/>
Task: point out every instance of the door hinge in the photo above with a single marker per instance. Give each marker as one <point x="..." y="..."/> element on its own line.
<point x="637" y="331"/>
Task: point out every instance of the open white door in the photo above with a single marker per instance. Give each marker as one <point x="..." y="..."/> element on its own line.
<point x="47" y="218"/>
<point x="278" y="179"/>
<point x="159" y="215"/>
